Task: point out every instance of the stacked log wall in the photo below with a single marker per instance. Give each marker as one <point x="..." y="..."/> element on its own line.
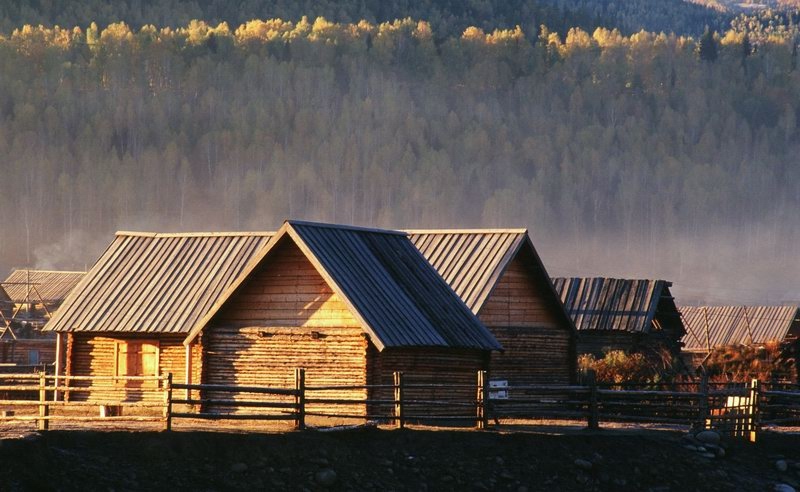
<point x="538" y="343"/>
<point x="17" y="351"/>
<point x="453" y="371"/>
<point x="285" y="316"/>
<point x="90" y="354"/>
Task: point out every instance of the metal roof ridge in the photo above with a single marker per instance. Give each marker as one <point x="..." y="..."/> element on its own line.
<point x="195" y="234"/>
<point x="520" y="230"/>
<point x="346" y="227"/>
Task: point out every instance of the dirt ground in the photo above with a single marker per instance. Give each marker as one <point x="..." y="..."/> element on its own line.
<point x="385" y="459"/>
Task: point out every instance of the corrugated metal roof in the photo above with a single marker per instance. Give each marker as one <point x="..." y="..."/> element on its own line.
<point x="401" y="297"/>
<point x="717" y="326"/>
<point x="611" y="303"/>
<point x="45" y="285"/>
<point x="390" y="287"/>
<point x="156" y="282"/>
<point x="471" y="261"/>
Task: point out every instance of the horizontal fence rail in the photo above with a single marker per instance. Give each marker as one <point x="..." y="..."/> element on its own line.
<point x="735" y="409"/>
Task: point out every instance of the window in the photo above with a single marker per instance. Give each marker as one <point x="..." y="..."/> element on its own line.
<point x="33" y="357"/>
<point x="136" y="358"/>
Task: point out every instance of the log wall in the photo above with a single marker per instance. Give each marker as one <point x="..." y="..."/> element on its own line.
<point x="18" y="351"/>
<point x="538" y="343"/>
<point x="283" y="317"/>
<point x="90" y="354"/>
<point x="440" y="366"/>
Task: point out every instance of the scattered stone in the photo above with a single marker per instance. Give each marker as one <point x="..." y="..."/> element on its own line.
<point x="701" y="449"/>
<point x="506" y="476"/>
<point x="708" y="455"/>
<point x="583" y="464"/>
<point x="781" y="465"/>
<point x="691" y="447"/>
<point x="782" y="487"/>
<point x="522" y="488"/>
<point x="720" y="452"/>
<point x="708" y="436"/>
<point x="239" y="467"/>
<point x="499" y="460"/>
<point x="325" y="477"/>
<point x="597" y="458"/>
<point x="447" y="478"/>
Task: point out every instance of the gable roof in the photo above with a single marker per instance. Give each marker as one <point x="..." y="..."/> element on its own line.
<point x="709" y="327"/>
<point x="6" y="304"/>
<point x="145" y="282"/>
<point x="613" y="304"/>
<point x="472" y="261"/>
<point x="388" y="285"/>
<point x="50" y="286"/>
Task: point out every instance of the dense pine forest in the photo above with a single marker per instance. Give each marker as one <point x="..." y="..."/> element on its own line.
<point x="627" y="152"/>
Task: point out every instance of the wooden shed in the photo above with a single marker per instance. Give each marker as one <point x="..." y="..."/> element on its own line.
<point x="709" y="328"/>
<point x="31" y="298"/>
<point x="622" y="314"/>
<point x="500" y="277"/>
<point x="350" y="305"/>
<point x="37" y="294"/>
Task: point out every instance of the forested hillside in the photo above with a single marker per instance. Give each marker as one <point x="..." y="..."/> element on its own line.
<point x="446" y="17"/>
<point x="631" y="155"/>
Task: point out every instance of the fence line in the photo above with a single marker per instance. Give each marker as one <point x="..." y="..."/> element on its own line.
<point x="736" y="409"/>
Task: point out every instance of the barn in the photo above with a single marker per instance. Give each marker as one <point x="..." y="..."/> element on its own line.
<point x="350" y="305"/>
<point x="32" y="297"/>
<point x="709" y="328"/>
<point x="500" y="277"/>
<point x="621" y="314"/>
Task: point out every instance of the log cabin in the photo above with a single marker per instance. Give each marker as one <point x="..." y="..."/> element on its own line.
<point x="635" y="316"/>
<point x="32" y="297"/>
<point x="500" y="277"/>
<point x="710" y="328"/>
<point x="349" y="305"/>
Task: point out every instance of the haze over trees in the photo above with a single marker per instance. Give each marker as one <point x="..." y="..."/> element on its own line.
<point x="628" y="155"/>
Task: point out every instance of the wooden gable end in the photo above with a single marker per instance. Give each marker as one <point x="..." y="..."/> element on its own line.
<point x="286" y="290"/>
<point x="522" y="298"/>
<point x="285" y="316"/>
<point x="525" y="316"/>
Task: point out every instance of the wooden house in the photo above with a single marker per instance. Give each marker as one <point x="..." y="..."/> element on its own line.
<point x="350" y="305"/>
<point x="36" y="294"/>
<point x="709" y="328"/>
<point x="32" y="297"/>
<point x="500" y="277"/>
<point x="636" y="316"/>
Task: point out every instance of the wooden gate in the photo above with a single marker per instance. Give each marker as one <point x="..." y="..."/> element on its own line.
<point x="734" y="411"/>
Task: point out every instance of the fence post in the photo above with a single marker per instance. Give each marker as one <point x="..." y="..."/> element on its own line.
<point x="755" y="394"/>
<point x="168" y="403"/>
<point x="483" y="400"/>
<point x="703" y="407"/>
<point x="43" y="408"/>
<point x="399" y="411"/>
<point x="594" y="412"/>
<point x="300" y="398"/>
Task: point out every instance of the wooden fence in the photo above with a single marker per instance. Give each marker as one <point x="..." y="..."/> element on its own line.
<point x="733" y="409"/>
<point x="44" y="398"/>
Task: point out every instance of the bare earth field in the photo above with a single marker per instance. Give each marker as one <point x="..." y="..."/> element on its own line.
<point x="530" y="458"/>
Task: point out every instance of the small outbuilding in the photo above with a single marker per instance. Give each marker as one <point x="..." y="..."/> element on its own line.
<point x="500" y="277"/>
<point x="32" y="296"/>
<point x="709" y="328"/>
<point x="350" y="305"/>
<point x="637" y="316"/>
